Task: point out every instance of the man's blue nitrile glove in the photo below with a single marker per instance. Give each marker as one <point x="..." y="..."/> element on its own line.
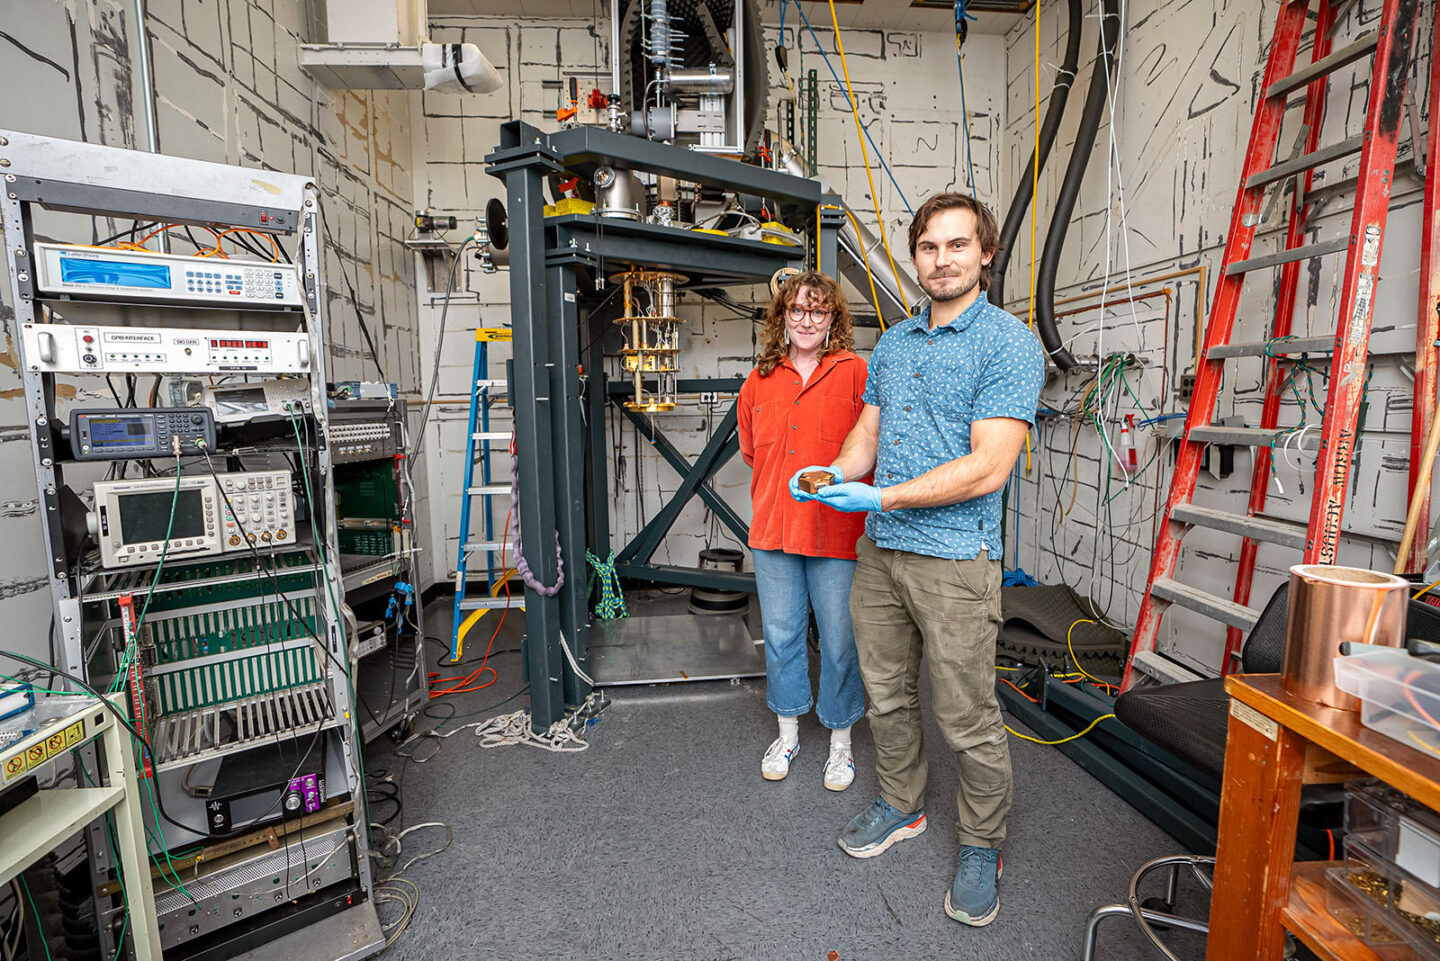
<point x="852" y="498"/>
<point x="800" y="495"/>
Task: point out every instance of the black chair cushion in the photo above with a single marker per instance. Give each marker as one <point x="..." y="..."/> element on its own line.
<point x="1422" y="621"/>
<point x="1188" y="720"/>
<point x="1264" y="649"/>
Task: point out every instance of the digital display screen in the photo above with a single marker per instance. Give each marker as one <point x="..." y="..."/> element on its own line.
<point x="76" y="270"/>
<point x="121" y="431"/>
<point x="241" y="344"/>
<point x="248" y="401"/>
<point x="145" y="517"/>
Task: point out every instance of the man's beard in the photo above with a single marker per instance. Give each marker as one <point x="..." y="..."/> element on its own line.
<point x="940" y="295"/>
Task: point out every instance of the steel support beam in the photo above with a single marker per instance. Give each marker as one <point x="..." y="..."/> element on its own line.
<point x="723" y="445"/>
<point x="675" y="459"/>
<point x="567" y="434"/>
<point x="531" y="393"/>
<point x="688" y="576"/>
<point x="831" y="217"/>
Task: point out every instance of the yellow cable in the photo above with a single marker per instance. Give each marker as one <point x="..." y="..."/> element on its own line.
<point x="1426" y="590"/>
<point x="1063" y="740"/>
<point x="864" y="154"/>
<point x="476" y="614"/>
<point x="1071" y="649"/>
<point x="1034" y="201"/>
<point x="874" y="297"/>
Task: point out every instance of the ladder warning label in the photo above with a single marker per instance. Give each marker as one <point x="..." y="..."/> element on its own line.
<point x="1370" y="250"/>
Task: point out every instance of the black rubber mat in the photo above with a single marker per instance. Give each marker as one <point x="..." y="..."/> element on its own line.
<point x="1034" y="621"/>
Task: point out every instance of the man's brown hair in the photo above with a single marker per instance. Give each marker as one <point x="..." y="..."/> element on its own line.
<point x="987" y="230"/>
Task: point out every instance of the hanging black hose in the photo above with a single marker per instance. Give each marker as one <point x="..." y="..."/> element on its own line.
<point x="1101" y="79"/>
<point x="1024" y="192"/>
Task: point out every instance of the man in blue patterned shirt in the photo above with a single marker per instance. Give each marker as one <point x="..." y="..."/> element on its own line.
<point x="950" y="398"/>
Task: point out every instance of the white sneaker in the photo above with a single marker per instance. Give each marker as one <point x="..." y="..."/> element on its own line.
<point x="839" y="769"/>
<point x="776" y="763"/>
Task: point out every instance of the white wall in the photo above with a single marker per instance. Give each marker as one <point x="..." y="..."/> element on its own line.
<point x="907" y="88"/>
<point x="229" y="90"/>
<point x="1186" y="96"/>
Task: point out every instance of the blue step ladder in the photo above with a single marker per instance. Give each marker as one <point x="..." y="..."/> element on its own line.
<point x="480" y="442"/>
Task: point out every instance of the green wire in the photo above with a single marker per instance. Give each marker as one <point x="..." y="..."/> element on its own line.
<point x="359" y="751"/>
<point x="124" y="665"/>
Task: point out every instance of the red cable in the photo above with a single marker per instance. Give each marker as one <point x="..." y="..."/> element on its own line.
<point x="1032" y="700"/>
<point x="463" y="684"/>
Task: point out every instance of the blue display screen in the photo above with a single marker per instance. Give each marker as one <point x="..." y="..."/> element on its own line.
<point x="75" y="270"/>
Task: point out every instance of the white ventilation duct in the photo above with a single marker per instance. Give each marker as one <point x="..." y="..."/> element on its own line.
<point x="382" y="45"/>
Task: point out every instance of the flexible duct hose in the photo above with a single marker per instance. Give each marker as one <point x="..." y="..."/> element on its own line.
<point x="1024" y="192"/>
<point x="1100" y="80"/>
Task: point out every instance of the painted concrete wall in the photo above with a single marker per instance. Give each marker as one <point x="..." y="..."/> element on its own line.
<point x="907" y="88"/>
<point x="1189" y="82"/>
<point x="229" y="90"/>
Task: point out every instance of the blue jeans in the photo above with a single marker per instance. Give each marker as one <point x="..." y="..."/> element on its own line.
<point x="789" y="585"/>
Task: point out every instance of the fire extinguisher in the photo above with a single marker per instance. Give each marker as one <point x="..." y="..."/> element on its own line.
<point x="1129" y="460"/>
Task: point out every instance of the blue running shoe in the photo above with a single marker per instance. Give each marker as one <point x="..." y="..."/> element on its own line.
<point x="876" y="828"/>
<point x="972" y="898"/>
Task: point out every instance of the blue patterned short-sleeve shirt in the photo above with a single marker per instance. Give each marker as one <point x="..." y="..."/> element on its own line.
<point x="930" y="386"/>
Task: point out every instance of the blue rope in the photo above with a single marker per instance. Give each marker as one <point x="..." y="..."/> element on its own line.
<point x="960" y="30"/>
<point x="841" y="84"/>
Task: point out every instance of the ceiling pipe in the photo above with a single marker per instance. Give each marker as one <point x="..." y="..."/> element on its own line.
<point x="1101" y="79"/>
<point x="1024" y="191"/>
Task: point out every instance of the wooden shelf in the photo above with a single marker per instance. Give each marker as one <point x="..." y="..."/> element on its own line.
<point x="1305" y="917"/>
<point x="1342" y="734"/>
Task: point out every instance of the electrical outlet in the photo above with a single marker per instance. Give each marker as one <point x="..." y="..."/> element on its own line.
<point x="1186" y="387"/>
<point x="709" y="397"/>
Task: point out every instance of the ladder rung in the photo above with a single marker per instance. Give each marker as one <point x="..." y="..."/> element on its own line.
<point x="490" y="603"/>
<point x="1304" y="162"/>
<point x="1360" y="48"/>
<point x="488" y="489"/>
<point x="490" y="435"/>
<point x="1163" y="669"/>
<point x="484" y="546"/>
<point x="1218" y="608"/>
<point x="1280" y="346"/>
<point x="488" y="384"/>
<point x="1286" y="256"/>
<point x="1268" y="530"/>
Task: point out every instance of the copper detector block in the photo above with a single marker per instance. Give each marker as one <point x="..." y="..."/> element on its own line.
<point x="812" y="480"/>
<point x="1330" y="605"/>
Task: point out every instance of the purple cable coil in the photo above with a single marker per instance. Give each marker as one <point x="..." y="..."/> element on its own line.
<point x="522" y="565"/>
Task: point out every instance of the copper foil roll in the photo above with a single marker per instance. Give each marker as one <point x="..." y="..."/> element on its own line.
<point x="1331" y="605"/>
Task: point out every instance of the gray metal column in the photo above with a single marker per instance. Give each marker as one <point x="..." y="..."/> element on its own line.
<point x="567" y="427"/>
<point x="597" y="414"/>
<point x="530" y="394"/>
<point x="832" y="220"/>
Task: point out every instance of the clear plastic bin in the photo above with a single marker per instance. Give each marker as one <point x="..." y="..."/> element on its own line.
<point x="1372" y="814"/>
<point x="1399" y="695"/>
<point x="1394" y="826"/>
<point x="1399" y="904"/>
<point x="1363" y="918"/>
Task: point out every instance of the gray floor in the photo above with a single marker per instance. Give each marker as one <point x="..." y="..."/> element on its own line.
<point x="663" y="842"/>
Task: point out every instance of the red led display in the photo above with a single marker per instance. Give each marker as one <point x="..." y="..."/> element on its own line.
<point x="242" y="344"/>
